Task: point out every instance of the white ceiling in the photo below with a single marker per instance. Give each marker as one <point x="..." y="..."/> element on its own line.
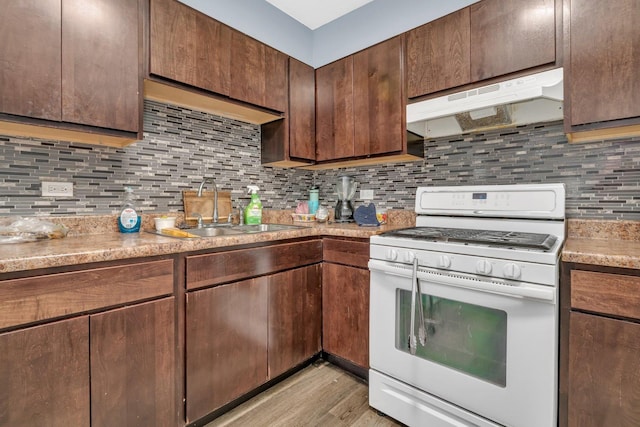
<point x="314" y="13"/>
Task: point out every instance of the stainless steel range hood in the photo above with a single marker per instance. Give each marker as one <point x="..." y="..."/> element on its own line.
<point x="529" y="99"/>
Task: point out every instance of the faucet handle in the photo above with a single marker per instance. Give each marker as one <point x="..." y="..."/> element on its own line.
<point x="240" y="216"/>
<point x="200" y="224"/>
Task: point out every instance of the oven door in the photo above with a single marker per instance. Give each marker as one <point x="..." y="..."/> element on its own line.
<point x="490" y="354"/>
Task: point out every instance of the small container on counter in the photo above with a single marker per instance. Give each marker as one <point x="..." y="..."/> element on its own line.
<point x="314" y="193"/>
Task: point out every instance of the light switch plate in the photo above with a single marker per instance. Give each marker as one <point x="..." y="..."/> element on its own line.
<point x="366" y="194"/>
<point x="57" y="189"/>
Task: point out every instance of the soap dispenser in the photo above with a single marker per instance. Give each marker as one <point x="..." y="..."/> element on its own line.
<point x="128" y="220"/>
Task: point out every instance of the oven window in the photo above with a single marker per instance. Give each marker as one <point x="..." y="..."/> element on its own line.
<point x="466" y="337"/>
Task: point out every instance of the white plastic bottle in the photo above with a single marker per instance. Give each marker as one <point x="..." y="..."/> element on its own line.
<point x="129" y="220"/>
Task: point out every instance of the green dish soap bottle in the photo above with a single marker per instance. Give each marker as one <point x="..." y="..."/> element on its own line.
<point x="129" y="220"/>
<point x="253" y="211"/>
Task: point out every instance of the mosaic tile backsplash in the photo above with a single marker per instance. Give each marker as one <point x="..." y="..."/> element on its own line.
<point x="182" y="146"/>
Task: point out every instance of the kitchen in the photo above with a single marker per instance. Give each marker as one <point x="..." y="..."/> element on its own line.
<point x="181" y="146"/>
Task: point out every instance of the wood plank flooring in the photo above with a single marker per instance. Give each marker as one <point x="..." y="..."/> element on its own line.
<point x="319" y="395"/>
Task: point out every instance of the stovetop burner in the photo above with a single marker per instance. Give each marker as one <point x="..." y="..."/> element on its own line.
<point x="486" y="237"/>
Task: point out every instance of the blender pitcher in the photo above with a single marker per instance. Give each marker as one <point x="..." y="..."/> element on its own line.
<point x="345" y="189"/>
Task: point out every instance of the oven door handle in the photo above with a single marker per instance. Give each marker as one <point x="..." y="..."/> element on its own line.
<point x="538" y="292"/>
<point x="413" y="342"/>
<point x="422" y="329"/>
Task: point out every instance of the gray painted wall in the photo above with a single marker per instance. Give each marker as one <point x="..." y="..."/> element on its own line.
<point x="366" y="26"/>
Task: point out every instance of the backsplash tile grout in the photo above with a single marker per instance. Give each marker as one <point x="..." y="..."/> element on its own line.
<point x="180" y="146"/>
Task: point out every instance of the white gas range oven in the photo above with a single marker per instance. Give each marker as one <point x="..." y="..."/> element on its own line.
<point x="464" y="308"/>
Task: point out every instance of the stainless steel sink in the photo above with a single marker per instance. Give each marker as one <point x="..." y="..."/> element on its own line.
<point x="213" y="231"/>
<point x="238" y="229"/>
<point x="263" y="228"/>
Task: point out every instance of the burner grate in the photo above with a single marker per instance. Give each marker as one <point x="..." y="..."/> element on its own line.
<point x="470" y="236"/>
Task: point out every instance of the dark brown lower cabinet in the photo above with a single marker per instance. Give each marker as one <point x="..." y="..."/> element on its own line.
<point x="295" y="318"/>
<point x="44" y="375"/>
<point x="604" y="372"/>
<point x="242" y="334"/>
<point x="133" y="365"/>
<point x="599" y="346"/>
<point x="226" y="344"/>
<point x="345" y="312"/>
<point x="112" y="368"/>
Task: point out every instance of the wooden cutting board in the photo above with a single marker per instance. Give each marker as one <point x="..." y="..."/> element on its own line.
<point x="204" y="206"/>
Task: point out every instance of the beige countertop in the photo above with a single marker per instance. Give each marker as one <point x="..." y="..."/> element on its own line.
<point x="595" y="242"/>
<point x="111" y="245"/>
<point x="603" y="243"/>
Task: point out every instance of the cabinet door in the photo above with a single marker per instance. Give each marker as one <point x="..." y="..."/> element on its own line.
<point x="226" y="344"/>
<point x="295" y="313"/>
<point x="378" y="99"/>
<point x="258" y="73"/>
<point x="44" y="372"/>
<point x="101" y="76"/>
<point x="604" y="372"/>
<point x="511" y="35"/>
<point x="133" y="365"/>
<point x="438" y="55"/>
<point x="302" y="110"/>
<point x="604" y="63"/>
<point x="345" y="313"/>
<point x="30" y="73"/>
<point x="334" y="110"/>
<point x="189" y="47"/>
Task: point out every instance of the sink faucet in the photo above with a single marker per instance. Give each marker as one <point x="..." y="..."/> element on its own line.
<point x="215" y="196"/>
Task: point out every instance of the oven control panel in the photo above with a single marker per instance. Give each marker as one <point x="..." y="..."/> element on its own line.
<point x="514" y="201"/>
<point x="521" y="271"/>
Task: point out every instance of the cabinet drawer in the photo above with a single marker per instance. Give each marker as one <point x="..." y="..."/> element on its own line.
<point x="38" y="298"/>
<point x="347" y="252"/>
<point x="212" y="269"/>
<point x="607" y="293"/>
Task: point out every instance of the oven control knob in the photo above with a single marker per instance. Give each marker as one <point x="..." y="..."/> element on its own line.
<point x="483" y="267"/>
<point x="511" y="271"/>
<point x="444" y="261"/>
<point x="392" y="254"/>
<point x="409" y="256"/>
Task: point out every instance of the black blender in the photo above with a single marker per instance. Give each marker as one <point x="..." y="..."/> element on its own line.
<point x="345" y="189"/>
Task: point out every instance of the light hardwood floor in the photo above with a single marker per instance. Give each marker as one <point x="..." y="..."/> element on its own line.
<point x="319" y="395"/>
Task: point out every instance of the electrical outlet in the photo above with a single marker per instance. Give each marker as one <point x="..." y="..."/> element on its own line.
<point x="366" y="194"/>
<point x="57" y="189"/>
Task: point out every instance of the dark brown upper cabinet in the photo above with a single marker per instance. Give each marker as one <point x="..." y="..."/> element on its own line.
<point x="198" y="62"/>
<point x="31" y="52"/>
<point x="511" y="35"/>
<point x="488" y="39"/>
<point x="602" y="66"/>
<point x="360" y="108"/>
<point x="379" y="99"/>
<point x="334" y="110"/>
<point x="189" y="47"/>
<point x="258" y="73"/>
<point x="290" y="141"/>
<point x="74" y="64"/>
<point x="438" y="55"/>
